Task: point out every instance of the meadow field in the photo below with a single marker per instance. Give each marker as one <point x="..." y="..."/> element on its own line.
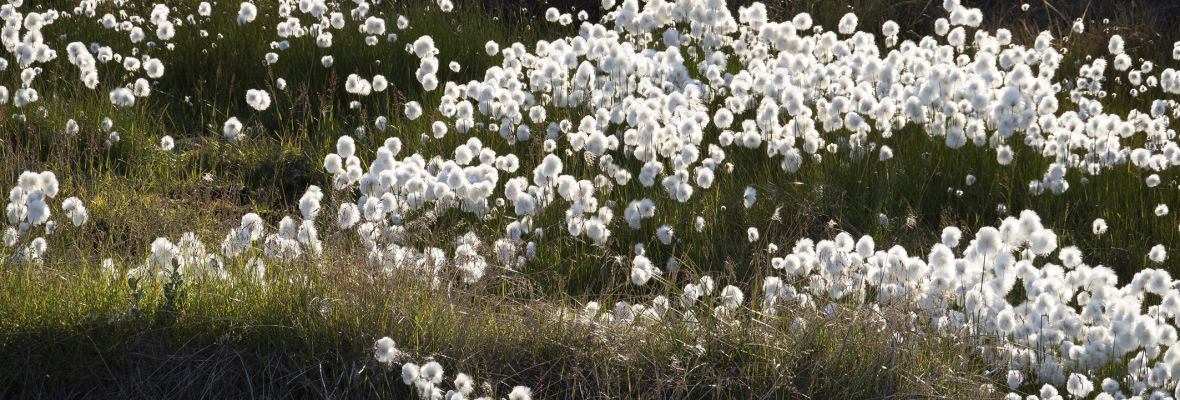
<point x="462" y="199"/>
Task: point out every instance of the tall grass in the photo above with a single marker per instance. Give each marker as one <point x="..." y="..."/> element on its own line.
<point x="69" y="329"/>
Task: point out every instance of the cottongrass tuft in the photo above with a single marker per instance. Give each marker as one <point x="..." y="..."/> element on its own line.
<point x="433" y="372"/>
<point x="232" y="130"/>
<point x="520" y="393"/>
<point x="1158" y="253"/>
<point x="387" y="351"/>
<point x="247" y="13"/>
<point x="410" y="373"/>
<point x="258" y="99"/>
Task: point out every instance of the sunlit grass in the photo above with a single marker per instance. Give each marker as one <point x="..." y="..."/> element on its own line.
<point x="308" y="331"/>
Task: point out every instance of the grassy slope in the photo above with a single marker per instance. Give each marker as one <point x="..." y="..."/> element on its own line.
<point x="66" y="323"/>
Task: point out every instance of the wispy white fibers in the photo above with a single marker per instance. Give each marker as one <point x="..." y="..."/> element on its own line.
<point x="374" y="26"/>
<point x="464" y="385"/>
<point x="356" y="85"/>
<point x="732" y="297"/>
<point x="154" y="68"/>
<point x="387" y="351"/>
<point x="410" y="373"/>
<point x="122" y="97"/>
<point x="1158" y="253"/>
<point x="1079" y="386"/>
<point x="1015" y="378"/>
<point x="232" y="130"/>
<point x="247" y="13"/>
<point x="1099" y="226"/>
<point x="749" y="196"/>
<point x="258" y="99"/>
<point x="642" y="270"/>
<point x="432" y="372"/>
<point x="413" y="110"/>
<point x="1115" y="45"/>
<point x="75" y="210"/>
<point x="847" y="25"/>
<point x="520" y="393"/>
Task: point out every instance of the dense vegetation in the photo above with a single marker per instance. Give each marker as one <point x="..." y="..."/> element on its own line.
<point x="557" y="236"/>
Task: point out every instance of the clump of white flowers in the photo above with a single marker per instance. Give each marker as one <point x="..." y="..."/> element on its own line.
<point x="29" y="215"/>
<point x="429" y="380"/>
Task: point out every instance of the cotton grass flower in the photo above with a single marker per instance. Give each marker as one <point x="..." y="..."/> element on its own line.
<point x="464" y="384"/>
<point x="732" y="297"/>
<point x="122" y="97"/>
<point x="520" y="393"/>
<point x="247" y="13"/>
<point x="1099" y="226"/>
<point x="423" y="47"/>
<point x="664" y="233"/>
<point x="1079" y="386"/>
<point x="258" y="99"/>
<point x="35" y="250"/>
<point x="432" y="372"/>
<point x="374" y="26"/>
<point x="749" y="196"/>
<point x="75" y="211"/>
<point x="1152" y="180"/>
<point x="387" y="351"/>
<point x="642" y="270"/>
<point x="413" y="110"/>
<point x="1042" y="242"/>
<point x="232" y="130"/>
<point x="987" y="240"/>
<point x="154" y="68"/>
<point x="1158" y="253"/>
<point x="410" y="373"/>
<point x="1115" y="45"/>
<point x="1015" y="378"/>
<point x="847" y="25"/>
